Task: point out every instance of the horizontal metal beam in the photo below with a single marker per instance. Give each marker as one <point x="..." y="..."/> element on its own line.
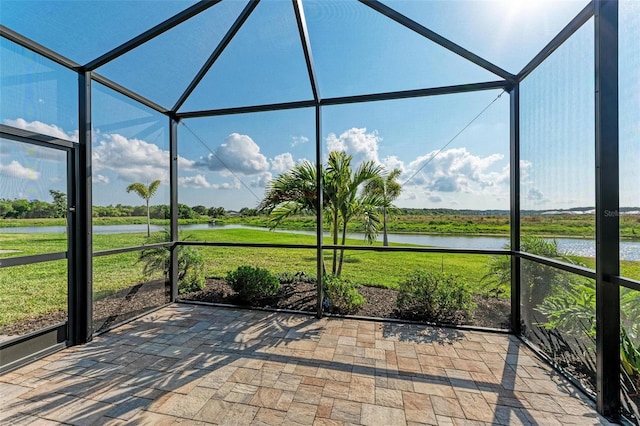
<point x="244" y="15"/>
<point x="437" y="38"/>
<point x="128" y="93"/>
<point x="384" y="96"/>
<point x="6" y="262"/>
<point x="417" y="93"/>
<point x="406" y="249"/>
<point x="573" y="26"/>
<point x="151" y="33"/>
<point x="29" y="136"/>
<point x="255" y="245"/>
<point x="626" y="282"/>
<point x="129" y="249"/>
<point x="27" y="43"/>
<point x="247" y="109"/>
<point x="574" y="269"/>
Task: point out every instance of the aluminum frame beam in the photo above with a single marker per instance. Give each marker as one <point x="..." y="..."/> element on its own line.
<point x="607" y="206"/>
<point x="306" y="47"/>
<point x="240" y="20"/>
<point x="128" y="93"/>
<point x="173" y="205"/>
<point x="29" y="44"/>
<point x="319" y="216"/>
<point x="574" y="25"/>
<point x="385" y="96"/>
<point x="419" y="93"/>
<point x="81" y="275"/>
<point x="514" y="161"/>
<point x="438" y="39"/>
<point x="151" y="33"/>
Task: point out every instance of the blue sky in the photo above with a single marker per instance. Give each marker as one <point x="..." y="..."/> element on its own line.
<point x="227" y="161"/>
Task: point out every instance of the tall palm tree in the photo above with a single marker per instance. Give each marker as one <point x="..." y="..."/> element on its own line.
<point x="388" y="189"/>
<point x="342" y="186"/>
<point x="295" y="192"/>
<point x="145" y="192"/>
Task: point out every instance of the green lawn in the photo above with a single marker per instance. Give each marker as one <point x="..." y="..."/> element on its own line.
<point x="30" y="290"/>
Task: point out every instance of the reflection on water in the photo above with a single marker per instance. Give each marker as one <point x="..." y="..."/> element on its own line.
<point x="629" y="250"/>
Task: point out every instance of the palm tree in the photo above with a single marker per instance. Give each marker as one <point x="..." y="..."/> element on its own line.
<point x="294" y="192"/>
<point x="145" y="192"/>
<point x="388" y="189"/>
<point x="342" y="186"/>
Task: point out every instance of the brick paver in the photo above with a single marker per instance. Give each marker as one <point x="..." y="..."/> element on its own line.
<point x="206" y="365"/>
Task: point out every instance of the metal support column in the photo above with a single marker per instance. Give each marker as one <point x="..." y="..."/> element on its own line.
<point x="607" y="204"/>
<point x="81" y="255"/>
<point x="319" y="215"/>
<point x="515" y="207"/>
<point x="173" y="201"/>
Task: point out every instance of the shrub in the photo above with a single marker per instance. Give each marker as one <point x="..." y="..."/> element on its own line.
<point x="190" y="270"/>
<point x="435" y="297"/>
<point x="342" y="295"/>
<point x="190" y="262"/>
<point x="253" y="283"/>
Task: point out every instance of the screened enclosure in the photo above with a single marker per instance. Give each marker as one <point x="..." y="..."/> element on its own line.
<point x="514" y="132"/>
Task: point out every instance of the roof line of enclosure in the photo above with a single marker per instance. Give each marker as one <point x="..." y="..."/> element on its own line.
<point x="235" y="27"/>
<point x="29" y="44"/>
<point x="168" y="24"/>
<point x="306" y="47"/>
<point x="564" y="34"/>
<point x="384" y="96"/>
<point x="438" y="39"/>
<point x="574" y="25"/>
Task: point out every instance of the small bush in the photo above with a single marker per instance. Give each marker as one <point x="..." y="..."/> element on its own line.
<point x="435" y="297"/>
<point x="190" y="262"/>
<point x="343" y="295"/>
<point x="190" y="270"/>
<point x="253" y="283"/>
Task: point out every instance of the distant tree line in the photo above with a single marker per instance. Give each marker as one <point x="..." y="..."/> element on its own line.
<point x="36" y="209"/>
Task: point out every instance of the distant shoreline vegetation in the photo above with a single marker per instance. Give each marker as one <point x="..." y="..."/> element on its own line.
<point x="404" y="220"/>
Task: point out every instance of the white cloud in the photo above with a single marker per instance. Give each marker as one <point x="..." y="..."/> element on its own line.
<point x="393" y="162"/>
<point x="261" y="181"/>
<point x="197" y="181"/>
<point x="296" y="140"/>
<point x="435" y="198"/>
<point x="239" y="154"/>
<point x="227" y="185"/>
<point x="17" y="170"/>
<point x="456" y="170"/>
<point x="282" y="163"/>
<point x="98" y="178"/>
<point x="45" y="129"/>
<point x="356" y="142"/>
<point x="133" y="160"/>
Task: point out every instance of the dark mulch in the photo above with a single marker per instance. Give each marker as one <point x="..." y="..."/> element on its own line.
<point x="116" y="308"/>
<point x="381" y="302"/>
<point x="301" y="296"/>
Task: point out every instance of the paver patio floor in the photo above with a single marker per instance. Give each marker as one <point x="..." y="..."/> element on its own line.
<point x="189" y="364"/>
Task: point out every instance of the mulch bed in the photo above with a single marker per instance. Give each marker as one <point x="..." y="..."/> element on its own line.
<point x="116" y="308"/>
<point x="301" y="296"/>
<point x="381" y="302"/>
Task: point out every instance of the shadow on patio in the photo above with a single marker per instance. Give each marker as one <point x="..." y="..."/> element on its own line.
<point x="223" y="366"/>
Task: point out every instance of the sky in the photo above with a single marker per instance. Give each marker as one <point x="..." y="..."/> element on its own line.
<point x="453" y="150"/>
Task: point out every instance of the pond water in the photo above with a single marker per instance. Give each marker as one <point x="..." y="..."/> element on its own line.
<point x="629" y="250"/>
